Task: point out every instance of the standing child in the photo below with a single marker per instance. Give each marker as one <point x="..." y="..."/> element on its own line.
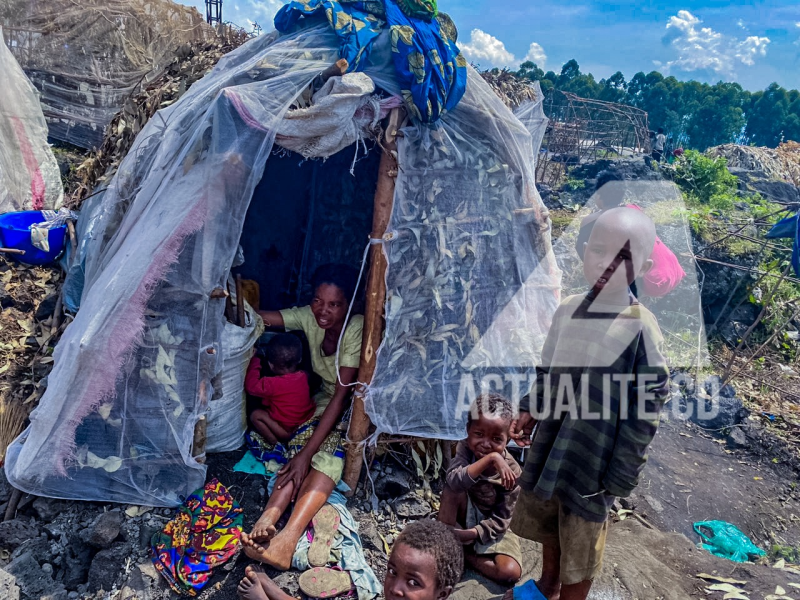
<point x="598" y="396"/>
<point x="425" y="564"/>
<point x="286" y="396"/>
<point x="481" y="490"/>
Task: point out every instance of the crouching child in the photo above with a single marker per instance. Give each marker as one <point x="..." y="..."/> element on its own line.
<point x="481" y="490"/>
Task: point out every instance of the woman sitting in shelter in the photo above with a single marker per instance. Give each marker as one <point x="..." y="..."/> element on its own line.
<point x="316" y="456"/>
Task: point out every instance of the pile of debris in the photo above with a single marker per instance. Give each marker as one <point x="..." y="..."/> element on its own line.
<point x="87" y="57"/>
<point x="190" y="64"/>
<point x="512" y="90"/>
<point x="781" y="163"/>
<point x="28" y="333"/>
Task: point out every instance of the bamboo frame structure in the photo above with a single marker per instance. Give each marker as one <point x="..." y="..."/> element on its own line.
<point x="586" y="130"/>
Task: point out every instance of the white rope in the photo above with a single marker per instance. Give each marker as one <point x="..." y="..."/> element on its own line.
<point x="372" y="242"/>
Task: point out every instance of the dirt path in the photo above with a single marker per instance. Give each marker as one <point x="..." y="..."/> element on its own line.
<point x="691" y="477"/>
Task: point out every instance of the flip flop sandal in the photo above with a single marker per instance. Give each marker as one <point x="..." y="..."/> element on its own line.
<point x="528" y="591"/>
<point x="325" y="523"/>
<point x="324" y="582"/>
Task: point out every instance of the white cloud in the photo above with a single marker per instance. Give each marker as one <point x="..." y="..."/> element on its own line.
<point x="741" y="24"/>
<point x="487" y="50"/>
<point x="703" y="49"/>
<point x="536" y="54"/>
<point x="751" y="48"/>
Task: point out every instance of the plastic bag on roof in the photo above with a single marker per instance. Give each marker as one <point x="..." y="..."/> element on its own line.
<point x="29" y="175"/>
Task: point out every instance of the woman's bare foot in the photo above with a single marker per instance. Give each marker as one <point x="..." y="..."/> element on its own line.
<point x="250" y="587"/>
<point x="277" y="554"/>
<point x="263" y="531"/>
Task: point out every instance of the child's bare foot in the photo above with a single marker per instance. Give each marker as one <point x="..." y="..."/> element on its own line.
<point x="273" y="591"/>
<point x="250" y="587"/>
<point x="277" y="554"/>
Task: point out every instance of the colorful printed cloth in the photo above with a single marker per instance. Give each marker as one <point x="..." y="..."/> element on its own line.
<point x="281" y="453"/>
<point x="419" y="9"/>
<point x="356" y="27"/>
<point x="204" y="534"/>
<point x="431" y="70"/>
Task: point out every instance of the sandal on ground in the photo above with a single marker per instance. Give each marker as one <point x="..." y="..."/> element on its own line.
<point x="326" y="524"/>
<point x="324" y="582"/>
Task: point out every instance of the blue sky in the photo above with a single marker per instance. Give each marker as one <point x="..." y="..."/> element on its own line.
<point x="753" y="44"/>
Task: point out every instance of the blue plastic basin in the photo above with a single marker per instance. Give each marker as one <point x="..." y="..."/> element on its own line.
<point x="15" y="232"/>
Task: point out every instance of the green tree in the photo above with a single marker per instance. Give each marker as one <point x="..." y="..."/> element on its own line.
<point x="766" y="116"/>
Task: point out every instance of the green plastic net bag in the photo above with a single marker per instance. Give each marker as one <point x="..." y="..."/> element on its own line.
<point x="726" y="541"/>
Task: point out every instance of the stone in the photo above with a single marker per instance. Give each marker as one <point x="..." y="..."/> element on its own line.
<point x="15" y="532"/>
<point x="6" y="299"/>
<point x="390" y="539"/>
<point x="737" y="439"/>
<point x="77" y="558"/>
<point x="717" y="408"/>
<point x="288" y="582"/>
<point x="393" y="485"/>
<point x="5" y="487"/>
<point x="9" y="590"/>
<point x="146" y="532"/>
<point x="107" y="566"/>
<point x="48" y="509"/>
<point x="46" y="308"/>
<point x="39" y="547"/>
<point x="411" y="506"/>
<point x="654" y="503"/>
<point x="776" y="191"/>
<point x="104" y="530"/>
<point x="368" y="532"/>
<point x="32" y="580"/>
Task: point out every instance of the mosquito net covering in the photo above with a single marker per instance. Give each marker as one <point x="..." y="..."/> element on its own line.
<point x="471" y="281"/>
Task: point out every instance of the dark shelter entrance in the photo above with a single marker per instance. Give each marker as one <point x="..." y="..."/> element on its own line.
<point x="303" y="214"/>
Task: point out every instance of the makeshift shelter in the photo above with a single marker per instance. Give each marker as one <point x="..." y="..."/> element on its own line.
<point x="460" y="251"/>
<point x="87" y="57"/>
<point x="29" y="175"/>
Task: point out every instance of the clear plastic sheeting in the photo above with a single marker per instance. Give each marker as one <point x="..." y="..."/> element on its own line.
<point x="472" y="283"/>
<point x="29" y="174"/>
<point x="87" y="57"/>
<point x="134" y="372"/>
<point x="532" y="116"/>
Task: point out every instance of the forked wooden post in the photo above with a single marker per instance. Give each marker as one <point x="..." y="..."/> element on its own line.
<point x="375" y="299"/>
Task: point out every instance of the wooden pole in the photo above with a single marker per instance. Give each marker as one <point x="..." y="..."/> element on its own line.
<point x="13" y="502"/>
<point x="375" y="300"/>
<point x="201" y="427"/>
<point x="240" y="316"/>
